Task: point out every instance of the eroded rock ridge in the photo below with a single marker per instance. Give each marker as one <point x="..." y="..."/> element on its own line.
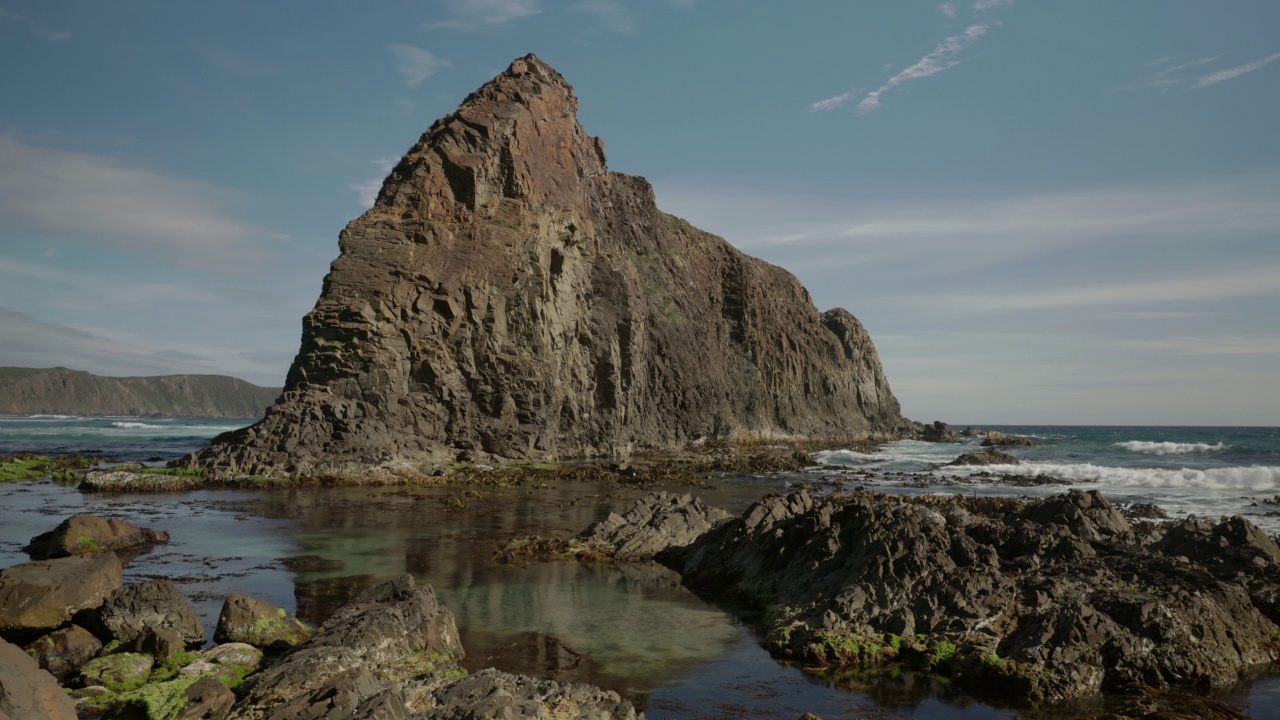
<point x="509" y="296"/>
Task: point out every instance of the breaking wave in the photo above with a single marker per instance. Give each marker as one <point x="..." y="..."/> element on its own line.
<point x="1169" y="448"/>
<point x="135" y="425"/>
<point x="1256" y="478"/>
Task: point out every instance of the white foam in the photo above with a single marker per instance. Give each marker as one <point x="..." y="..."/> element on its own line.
<point x="50" y="417"/>
<point x="135" y="425"/>
<point x="1169" y="448"/>
<point x="1257" y="478"/>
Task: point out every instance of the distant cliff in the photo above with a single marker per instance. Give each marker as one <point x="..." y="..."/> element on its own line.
<point x="508" y="297"/>
<point x="59" y="391"/>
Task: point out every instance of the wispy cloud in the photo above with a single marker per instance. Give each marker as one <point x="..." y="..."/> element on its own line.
<point x="368" y="190"/>
<point x="981" y="5"/>
<point x="35" y="27"/>
<point x="833" y="102"/>
<point x="931" y="64"/>
<point x="99" y="199"/>
<point x="416" y="64"/>
<point x="1167" y="77"/>
<point x="471" y="14"/>
<point x="1227" y="345"/>
<point x="1262" y="281"/>
<point x="109" y="290"/>
<point x="948" y="9"/>
<point x="1235" y="72"/>
<point x="611" y="15"/>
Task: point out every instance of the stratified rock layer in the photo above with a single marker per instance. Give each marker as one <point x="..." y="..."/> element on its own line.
<point x="509" y="295"/>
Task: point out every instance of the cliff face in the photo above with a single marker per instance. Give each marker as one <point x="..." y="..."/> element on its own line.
<point x="59" y="391"/>
<point x="509" y="295"/>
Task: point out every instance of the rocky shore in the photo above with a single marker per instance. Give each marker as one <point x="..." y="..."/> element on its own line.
<point x="1023" y="602"/>
<point x="75" y="641"/>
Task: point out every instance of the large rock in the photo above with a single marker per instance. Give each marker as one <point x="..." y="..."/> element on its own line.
<point x="27" y="692"/>
<point x="85" y="534"/>
<point x="655" y="523"/>
<point x="1045" y="600"/>
<point x="132" y="609"/>
<point x="494" y="694"/>
<point x="999" y="439"/>
<point x="249" y="620"/>
<point x="939" y="432"/>
<point x="44" y="595"/>
<point x="393" y="631"/>
<point x="990" y="457"/>
<point x="508" y="295"/>
<point x="64" y="652"/>
<point x="121" y="672"/>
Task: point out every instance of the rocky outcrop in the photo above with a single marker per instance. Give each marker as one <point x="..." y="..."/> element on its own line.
<point x="86" y="534"/>
<point x="494" y="694"/>
<point x="59" y="391"/>
<point x="1028" y="601"/>
<point x="655" y="523"/>
<point x="990" y="457"/>
<point x="510" y="297"/>
<point x="939" y="432"/>
<point x="999" y="439"/>
<point x="27" y="692"/>
<point x="390" y="632"/>
<point x="44" y="595"/>
<point x="259" y="623"/>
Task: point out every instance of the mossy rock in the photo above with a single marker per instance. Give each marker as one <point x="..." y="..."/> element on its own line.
<point x="249" y="620"/>
<point x="119" y="673"/>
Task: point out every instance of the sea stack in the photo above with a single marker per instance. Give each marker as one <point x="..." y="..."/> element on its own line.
<point x="509" y="297"/>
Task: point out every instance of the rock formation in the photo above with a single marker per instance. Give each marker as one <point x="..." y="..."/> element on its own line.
<point x="509" y="296"/>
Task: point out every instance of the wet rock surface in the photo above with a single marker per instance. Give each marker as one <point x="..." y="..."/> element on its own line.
<point x="509" y="297"/>
<point x="999" y="439"/>
<point x="131" y="610"/>
<point x="657" y="522"/>
<point x="990" y="457"/>
<point x="63" y="652"/>
<point x="1041" y="601"/>
<point x="84" y="534"/>
<point x="44" y="595"/>
<point x="249" y="620"/>
<point x="494" y="694"/>
<point x="939" y="431"/>
<point x="27" y="692"/>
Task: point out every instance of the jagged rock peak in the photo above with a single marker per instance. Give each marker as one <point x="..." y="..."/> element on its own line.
<point x="509" y="297"/>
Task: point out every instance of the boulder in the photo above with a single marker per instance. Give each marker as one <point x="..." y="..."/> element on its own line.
<point x="971" y="431"/>
<point x="494" y="694"/>
<point x="121" y="672"/>
<point x="186" y="698"/>
<point x="160" y="643"/>
<point x="655" y="523"/>
<point x="64" y="652"/>
<point x="353" y="694"/>
<point x="86" y="534"/>
<point x="393" y="631"/>
<point x="990" y="457"/>
<point x="999" y="439"/>
<point x="229" y="663"/>
<point x="249" y="620"/>
<point x="27" y="692"/>
<point x="43" y="595"/>
<point x="131" y="610"/>
<point x="939" y="432"/>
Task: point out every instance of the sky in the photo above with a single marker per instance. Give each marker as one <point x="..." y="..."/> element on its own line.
<point x="1044" y="211"/>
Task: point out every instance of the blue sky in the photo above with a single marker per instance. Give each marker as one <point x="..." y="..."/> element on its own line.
<point x="1044" y="212"/>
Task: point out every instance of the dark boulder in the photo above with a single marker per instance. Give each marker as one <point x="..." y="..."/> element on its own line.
<point x="655" y="523"/>
<point x="160" y="643"/>
<point x="999" y="439"/>
<point x="133" y="609"/>
<point x="939" y="432"/>
<point x="494" y="694"/>
<point x="87" y="534"/>
<point x="63" y="652"/>
<point x="990" y="457"/>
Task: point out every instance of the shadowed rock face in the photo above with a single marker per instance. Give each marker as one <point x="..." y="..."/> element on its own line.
<point x="509" y="295"/>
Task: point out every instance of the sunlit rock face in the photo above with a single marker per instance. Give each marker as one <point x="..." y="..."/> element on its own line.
<point x="510" y="297"/>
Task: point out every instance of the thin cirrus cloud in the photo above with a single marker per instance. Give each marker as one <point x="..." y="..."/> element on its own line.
<point x="948" y="9"/>
<point x="1226" y="345"/>
<point x="36" y="28"/>
<point x="367" y="191"/>
<point x="473" y="14"/>
<point x="609" y="15"/>
<point x="99" y="199"/>
<point x="416" y="64"/>
<point x="940" y="60"/>
<point x="1170" y="77"/>
<point x="1235" y="72"/>
<point x="981" y="5"/>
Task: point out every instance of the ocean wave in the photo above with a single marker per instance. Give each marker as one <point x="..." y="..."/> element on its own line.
<point x="1256" y="478"/>
<point x="1169" y="448"/>
<point x="50" y="417"/>
<point x="135" y="425"/>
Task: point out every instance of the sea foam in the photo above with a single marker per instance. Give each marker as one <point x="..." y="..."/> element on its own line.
<point x="134" y="425"/>
<point x="1257" y="478"/>
<point x="1169" y="448"/>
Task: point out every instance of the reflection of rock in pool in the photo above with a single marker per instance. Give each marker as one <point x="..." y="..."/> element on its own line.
<point x="317" y="599"/>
